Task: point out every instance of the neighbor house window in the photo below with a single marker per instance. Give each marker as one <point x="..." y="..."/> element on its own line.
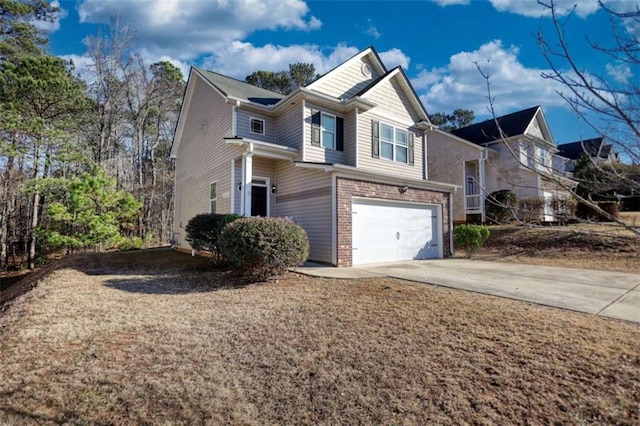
<point x="328" y="129"/>
<point x="213" y="196"/>
<point x="394" y="143"/>
<point x="257" y="126"/>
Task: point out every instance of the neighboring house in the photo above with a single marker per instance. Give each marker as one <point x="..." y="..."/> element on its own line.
<point x="344" y="157"/>
<point x="596" y="149"/>
<point x="511" y="152"/>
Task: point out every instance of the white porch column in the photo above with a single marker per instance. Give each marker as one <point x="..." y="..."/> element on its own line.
<point x="247" y="178"/>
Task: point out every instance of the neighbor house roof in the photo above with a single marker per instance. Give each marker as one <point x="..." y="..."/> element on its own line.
<point x="230" y="87"/>
<point x="592" y="147"/>
<point x="512" y="124"/>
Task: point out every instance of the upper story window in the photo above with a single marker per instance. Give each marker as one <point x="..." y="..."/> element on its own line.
<point x="534" y="156"/>
<point x="257" y="126"/>
<point x="213" y="198"/>
<point x="392" y="143"/>
<point x="327" y="130"/>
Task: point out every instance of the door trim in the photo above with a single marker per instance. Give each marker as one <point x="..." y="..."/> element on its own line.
<point x="267" y="185"/>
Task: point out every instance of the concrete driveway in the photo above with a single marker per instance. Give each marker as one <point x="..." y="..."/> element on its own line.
<point x="609" y="294"/>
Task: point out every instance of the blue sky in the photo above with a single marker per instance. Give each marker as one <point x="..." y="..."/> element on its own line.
<point x="435" y="41"/>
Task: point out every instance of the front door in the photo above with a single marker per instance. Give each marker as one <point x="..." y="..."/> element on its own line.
<point x="259" y="198"/>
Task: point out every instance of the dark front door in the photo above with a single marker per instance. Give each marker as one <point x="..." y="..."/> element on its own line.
<point x="258" y="200"/>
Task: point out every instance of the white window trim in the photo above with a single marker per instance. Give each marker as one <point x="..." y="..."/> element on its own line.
<point x="394" y="143"/>
<point x="212" y="199"/>
<point x="334" y="132"/>
<point x="251" y="126"/>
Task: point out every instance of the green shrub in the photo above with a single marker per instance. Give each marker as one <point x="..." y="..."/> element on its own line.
<point x="203" y="231"/>
<point x="262" y="247"/>
<point x="470" y="237"/>
<point x="531" y="209"/>
<point x="501" y="206"/>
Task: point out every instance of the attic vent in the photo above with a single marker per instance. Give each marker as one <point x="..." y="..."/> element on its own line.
<point x="366" y="70"/>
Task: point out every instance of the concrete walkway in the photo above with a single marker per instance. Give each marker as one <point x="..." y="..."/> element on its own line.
<point x="609" y="294"/>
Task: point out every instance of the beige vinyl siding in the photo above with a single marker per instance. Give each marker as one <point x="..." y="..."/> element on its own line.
<point x="506" y="172"/>
<point x="305" y="195"/>
<point x="367" y="162"/>
<point x="535" y="129"/>
<point x="244" y="126"/>
<point x="350" y="138"/>
<point x="318" y="154"/>
<point x="289" y="128"/>
<point x="391" y="99"/>
<point x="203" y="156"/>
<point x="446" y="159"/>
<point x="348" y="80"/>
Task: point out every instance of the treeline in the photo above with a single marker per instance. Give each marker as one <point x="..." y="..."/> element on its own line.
<point x="84" y="162"/>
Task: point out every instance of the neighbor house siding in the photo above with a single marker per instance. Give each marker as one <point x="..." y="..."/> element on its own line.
<point x="305" y="195"/>
<point x="203" y="157"/>
<point x="318" y="154"/>
<point x="367" y="162"/>
<point x="506" y="172"/>
<point x="446" y="159"/>
<point x="244" y="128"/>
<point x="347" y="81"/>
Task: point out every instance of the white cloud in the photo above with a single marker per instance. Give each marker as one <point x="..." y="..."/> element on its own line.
<point x="54" y="25"/>
<point x="450" y="2"/>
<point x="460" y="85"/>
<point x="532" y="8"/>
<point x="185" y="29"/>
<point x="372" y="30"/>
<point x="619" y="72"/>
<point x="394" y="57"/>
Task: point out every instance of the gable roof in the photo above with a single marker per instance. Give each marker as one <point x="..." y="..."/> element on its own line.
<point x="236" y="89"/>
<point x="592" y="147"/>
<point x="406" y="84"/>
<point x="512" y="124"/>
<point x="369" y="51"/>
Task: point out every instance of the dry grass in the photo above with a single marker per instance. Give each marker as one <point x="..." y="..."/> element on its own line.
<point x="157" y="337"/>
<point x="604" y="246"/>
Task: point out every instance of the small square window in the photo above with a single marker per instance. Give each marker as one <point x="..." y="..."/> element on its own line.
<point x="257" y="126"/>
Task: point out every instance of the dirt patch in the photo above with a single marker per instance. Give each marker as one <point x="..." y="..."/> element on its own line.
<point x="590" y="246"/>
<point x="160" y="337"/>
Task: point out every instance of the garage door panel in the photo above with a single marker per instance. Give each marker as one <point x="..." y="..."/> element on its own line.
<point x="386" y="231"/>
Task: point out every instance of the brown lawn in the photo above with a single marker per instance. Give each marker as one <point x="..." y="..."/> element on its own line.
<point x="604" y="246"/>
<point x="158" y="337"/>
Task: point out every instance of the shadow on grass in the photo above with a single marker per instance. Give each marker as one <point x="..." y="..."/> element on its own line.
<point x="177" y="284"/>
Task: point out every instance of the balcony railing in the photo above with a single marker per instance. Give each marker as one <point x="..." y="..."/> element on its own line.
<point x="473" y="202"/>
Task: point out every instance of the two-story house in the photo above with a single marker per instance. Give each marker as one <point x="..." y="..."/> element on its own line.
<point x="595" y="149"/>
<point x="513" y="152"/>
<point x="345" y="157"/>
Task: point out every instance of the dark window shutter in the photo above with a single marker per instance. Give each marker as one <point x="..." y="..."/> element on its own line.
<point x="410" y="155"/>
<point x="375" y="139"/>
<point x="340" y="134"/>
<point x="315" y="127"/>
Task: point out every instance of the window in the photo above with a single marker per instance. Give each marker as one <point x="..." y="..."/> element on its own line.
<point x="543" y="156"/>
<point x="257" y="126"/>
<point x="212" y="198"/>
<point x="328" y="129"/>
<point x="394" y="143"/>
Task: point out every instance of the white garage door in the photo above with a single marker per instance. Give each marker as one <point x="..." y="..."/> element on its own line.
<point x="386" y="231"/>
